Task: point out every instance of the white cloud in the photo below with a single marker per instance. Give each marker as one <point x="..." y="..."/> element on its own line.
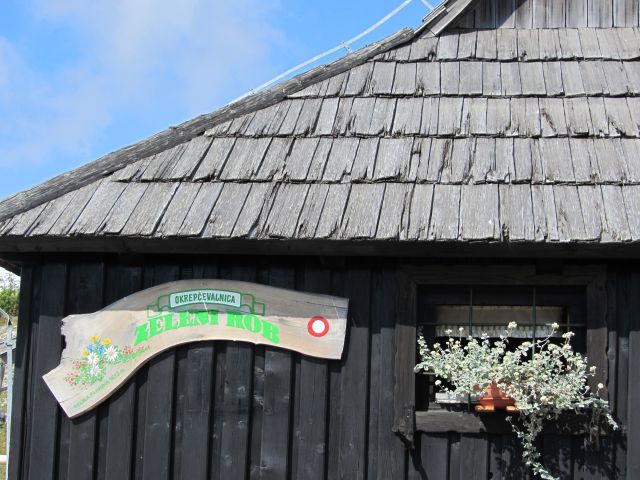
<point x="137" y="55"/>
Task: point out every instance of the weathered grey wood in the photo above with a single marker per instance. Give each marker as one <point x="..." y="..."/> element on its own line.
<point x="283" y="217"/>
<point x="585" y="162"/>
<point x="341" y="123"/>
<point x="24" y="220"/>
<point x="524" y="15"/>
<point x="470" y="78"/>
<point x="592" y="211"/>
<point x="498" y="116"/>
<point x="97" y="209"/>
<point x="486" y="46"/>
<point x="483" y="162"/>
<point x="631" y="156"/>
<point x="308" y="117"/>
<point x="578" y="117"/>
<point x="382" y="117"/>
<point x="362" y="211"/>
<point x="73" y="210"/>
<point x="311" y="211"/>
<point x="628" y="40"/>
<point x="450" y="78"/>
<point x="570" y="44"/>
<point x="532" y="78"/>
<point x="160" y="162"/>
<point x="327" y="115"/>
<point x="423" y="48"/>
<point x="393" y="158"/>
<point x="511" y="84"/>
<point x="227" y="210"/>
<point x="600" y="14"/>
<point x="448" y="46"/>
<point x="544" y="213"/>
<point x="456" y="169"/>
<point x="486" y="15"/>
<point x="491" y="80"/>
<point x="572" y="80"/>
<point x="147" y="213"/>
<point x="632" y="70"/>
<point x="245" y="158"/>
<point x="382" y="78"/>
<point x="333" y="210"/>
<point x="553" y="78"/>
<point x="528" y="46"/>
<point x="428" y="78"/>
<point x="549" y="43"/>
<point x="215" y="159"/>
<point x="51" y="213"/>
<point x="467" y="45"/>
<point x="552" y="118"/>
<point x="420" y="212"/>
<point x="576" y="13"/>
<point x="616" y="77"/>
<point x="361" y="115"/>
<point x="598" y="116"/>
<point x="298" y="161"/>
<point x="340" y="159"/>
<point x="201" y="207"/>
<point x="507" y="44"/>
<point x="438" y="155"/>
<point x="479" y="212"/>
<point x="570" y="222"/>
<point x="619" y="118"/>
<point x="611" y="161"/>
<point x="477" y="115"/>
<point x="614" y="208"/>
<point x="123" y="208"/>
<point x="445" y="213"/>
<point x="449" y="116"/>
<point x="516" y="212"/>
<point x="555" y="155"/>
<point x="290" y="121"/>
<point x="631" y="196"/>
<point x="593" y="79"/>
<point x="408" y="116"/>
<point x="420" y="154"/>
<point x="522" y="160"/>
<point x="273" y="163"/>
<point x="189" y="160"/>
<point x="393" y="220"/>
<point x="254" y="206"/>
<point x="405" y="79"/>
<point x="365" y="161"/>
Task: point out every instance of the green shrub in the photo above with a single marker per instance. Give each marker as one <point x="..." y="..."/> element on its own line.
<point x="9" y="293"/>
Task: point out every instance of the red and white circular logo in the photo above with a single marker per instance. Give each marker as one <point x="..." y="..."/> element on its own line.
<point x="318" y="326"/>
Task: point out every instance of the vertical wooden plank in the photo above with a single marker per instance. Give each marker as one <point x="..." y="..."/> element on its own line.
<point x="193" y="404"/>
<point x="556" y="455"/>
<point x="600" y="13"/>
<point x="386" y="452"/>
<point x="539" y="8"/>
<point x="576" y="13"/>
<point x="29" y="292"/>
<point x="633" y="415"/>
<point x="115" y="456"/>
<point x="431" y="461"/>
<point x="309" y="440"/>
<point x="623" y="294"/>
<point x="159" y="409"/>
<point x="44" y="416"/>
<point x="85" y="295"/>
<point x="277" y="397"/>
<point x="236" y="397"/>
<point x="355" y="372"/>
<point x="473" y="461"/>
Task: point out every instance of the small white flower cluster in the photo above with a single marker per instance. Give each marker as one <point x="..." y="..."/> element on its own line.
<point x="544" y="379"/>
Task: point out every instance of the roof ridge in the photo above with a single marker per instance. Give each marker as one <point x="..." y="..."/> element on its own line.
<point x="173" y="136"/>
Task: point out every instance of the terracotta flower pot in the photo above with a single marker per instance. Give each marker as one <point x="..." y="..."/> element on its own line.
<point x="494" y="398"/>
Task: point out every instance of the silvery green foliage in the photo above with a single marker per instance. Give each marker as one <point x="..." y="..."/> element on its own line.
<point x="544" y="379"/>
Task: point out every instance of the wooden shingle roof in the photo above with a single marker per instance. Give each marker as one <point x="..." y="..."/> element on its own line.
<point x="495" y="135"/>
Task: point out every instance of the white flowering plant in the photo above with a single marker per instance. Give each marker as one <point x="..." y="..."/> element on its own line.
<point x="544" y="378"/>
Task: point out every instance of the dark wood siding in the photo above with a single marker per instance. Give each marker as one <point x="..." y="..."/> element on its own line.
<point x="229" y="410"/>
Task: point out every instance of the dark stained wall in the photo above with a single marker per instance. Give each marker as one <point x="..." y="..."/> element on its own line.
<point x="227" y="410"/>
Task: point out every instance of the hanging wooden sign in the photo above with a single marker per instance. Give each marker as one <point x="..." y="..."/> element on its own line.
<point x="105" y="348"/>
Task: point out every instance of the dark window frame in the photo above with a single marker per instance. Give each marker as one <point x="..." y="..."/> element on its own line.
<point x="406" y="420"/>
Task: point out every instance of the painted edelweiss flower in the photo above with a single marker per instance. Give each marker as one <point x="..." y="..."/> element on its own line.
<point x="93" y="358"/>
<point x="95" y="371"/>
<point x="111" y="353"/>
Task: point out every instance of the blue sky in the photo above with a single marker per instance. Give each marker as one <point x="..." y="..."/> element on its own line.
<point x="80" y="79"/>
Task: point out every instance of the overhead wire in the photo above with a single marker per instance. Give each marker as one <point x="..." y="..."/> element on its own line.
<point x="343" y="45"/>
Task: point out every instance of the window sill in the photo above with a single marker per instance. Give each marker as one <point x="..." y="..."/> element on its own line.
<point x="444" y="421"/>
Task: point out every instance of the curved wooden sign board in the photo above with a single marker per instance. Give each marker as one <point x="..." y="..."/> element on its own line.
<point x="105" y="348"/>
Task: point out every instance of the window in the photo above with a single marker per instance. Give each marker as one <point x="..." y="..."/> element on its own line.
<point x="485" y="299"/>
<point x="473" y="310"/>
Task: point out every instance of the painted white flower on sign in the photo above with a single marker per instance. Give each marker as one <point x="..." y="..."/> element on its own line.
<point x="93" y="358"/>
<point x="95" y="370"/>
<point x="111" y="353"/>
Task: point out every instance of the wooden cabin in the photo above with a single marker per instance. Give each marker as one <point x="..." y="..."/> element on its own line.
<point x="488" y="161"/>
